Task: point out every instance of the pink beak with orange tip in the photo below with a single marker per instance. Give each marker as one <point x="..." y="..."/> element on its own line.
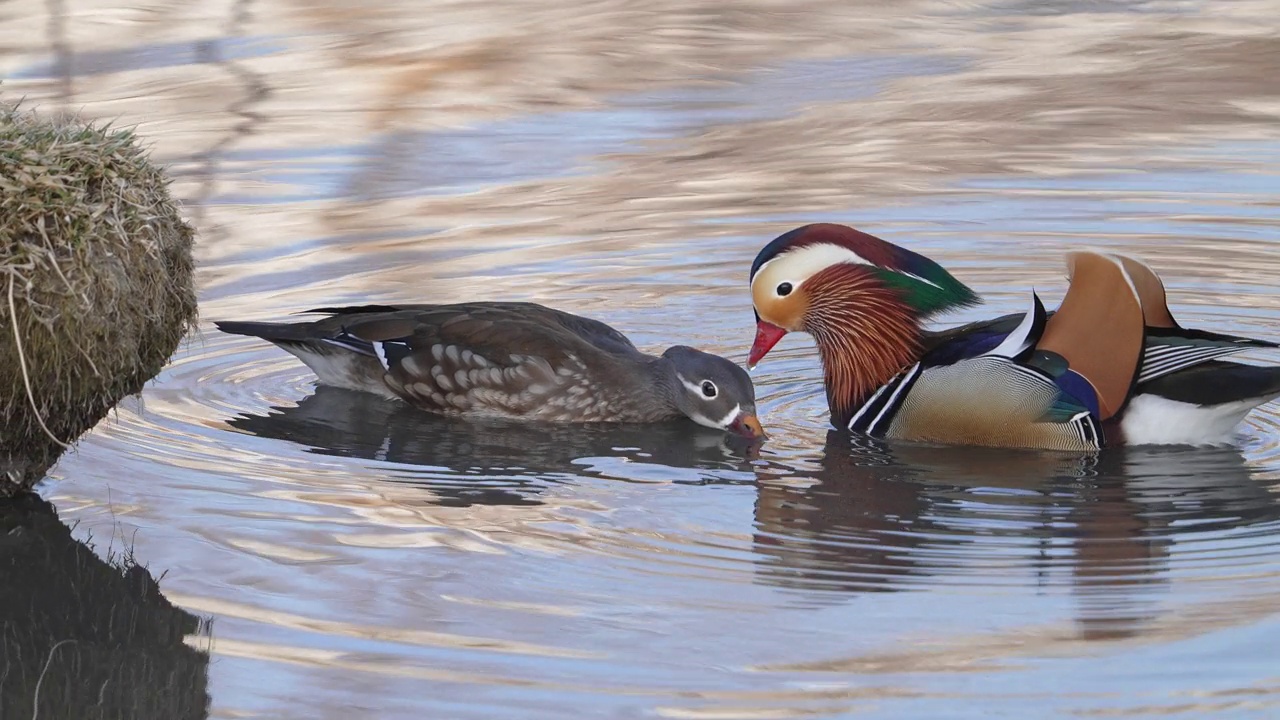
<point x="767" y="335"/>
<point x="748" y="426"/>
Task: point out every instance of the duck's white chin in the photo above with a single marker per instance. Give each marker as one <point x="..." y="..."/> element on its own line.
<point x="1154" y="420"/>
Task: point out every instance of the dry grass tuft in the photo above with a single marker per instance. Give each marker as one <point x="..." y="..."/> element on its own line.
<point x="95" y="282"/>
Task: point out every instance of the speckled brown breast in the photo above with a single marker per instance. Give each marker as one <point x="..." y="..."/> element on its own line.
<point x="509" y="360"/>
<point x="454" y="379"/>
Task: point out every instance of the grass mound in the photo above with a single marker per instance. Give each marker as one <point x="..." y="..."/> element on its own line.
<point x="95" y="282"/>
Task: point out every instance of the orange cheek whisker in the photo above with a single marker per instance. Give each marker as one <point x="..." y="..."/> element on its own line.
<point x="865" y="334"/>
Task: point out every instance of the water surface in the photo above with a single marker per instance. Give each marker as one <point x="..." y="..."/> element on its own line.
<point x="352" y="557"/>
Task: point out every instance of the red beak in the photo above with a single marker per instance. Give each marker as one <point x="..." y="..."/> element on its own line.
<point x="767" y="335"/>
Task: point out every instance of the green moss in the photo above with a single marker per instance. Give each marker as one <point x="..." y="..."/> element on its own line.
<point x="95" y="262"/>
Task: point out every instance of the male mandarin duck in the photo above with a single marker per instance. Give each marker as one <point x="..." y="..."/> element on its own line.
<point x="1111" y="366"/>
<point x="513" y="360"/>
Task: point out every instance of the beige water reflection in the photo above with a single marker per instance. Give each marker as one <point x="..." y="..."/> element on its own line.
<point x="1093" y="87"/>
<point x="627" y="160"/>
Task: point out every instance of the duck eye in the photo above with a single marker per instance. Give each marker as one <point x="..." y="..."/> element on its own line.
<point x="784" y="289"/>
<point x="708" y="389"/>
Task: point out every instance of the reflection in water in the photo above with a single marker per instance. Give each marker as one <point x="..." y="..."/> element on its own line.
<point x="877" y="516"/>
<point x="870" y="516"/>
<point x="835" y="529"/>
<point x="488" y="463"/>
<point x="98" y="641"/>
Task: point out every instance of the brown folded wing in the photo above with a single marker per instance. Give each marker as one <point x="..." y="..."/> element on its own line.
<point x="1150" y="288"/>
<point x="1098" y="327"/>
<point x="493" y="358"/>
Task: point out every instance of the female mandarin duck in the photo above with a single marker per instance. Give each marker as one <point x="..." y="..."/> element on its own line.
<point x="1111" y="366"/>
<point x="513" y="360"/>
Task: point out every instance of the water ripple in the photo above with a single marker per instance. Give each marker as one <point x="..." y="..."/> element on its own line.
<point x="355" y="553"/>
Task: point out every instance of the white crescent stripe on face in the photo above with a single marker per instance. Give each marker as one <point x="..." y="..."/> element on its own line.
<point x="694" y="388"/>
<point x="726" y="421"/>
<point x="803" y="263"/>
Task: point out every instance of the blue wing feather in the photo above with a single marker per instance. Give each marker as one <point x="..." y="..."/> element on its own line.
<point x="1076" y="395"/>
<point x="964" y="347"/>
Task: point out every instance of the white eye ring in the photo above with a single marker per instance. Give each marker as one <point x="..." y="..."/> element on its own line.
<point x="709" y="389"/>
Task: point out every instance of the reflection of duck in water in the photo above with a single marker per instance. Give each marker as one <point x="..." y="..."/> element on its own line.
<point x="519" y="361"/>
<point x="1111" y="366"/>
<point x="879" y="517"/>
<point x="493" y="461"/>
<point x="862" y="520"/>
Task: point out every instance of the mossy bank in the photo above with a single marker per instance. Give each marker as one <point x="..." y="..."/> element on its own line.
<point x="95" y="282"/>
